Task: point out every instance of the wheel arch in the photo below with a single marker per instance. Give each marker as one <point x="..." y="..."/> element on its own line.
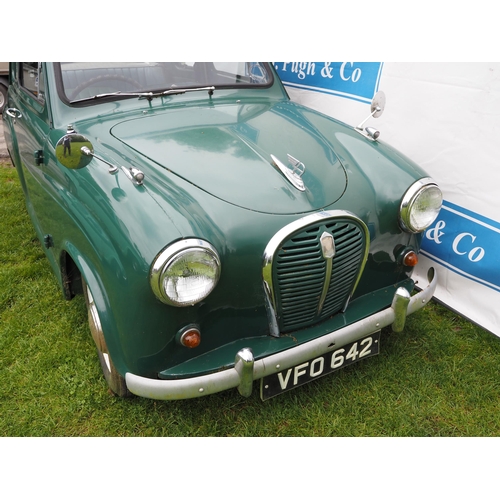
<point x="71" y="276"/>
<point x="75" y="272"/>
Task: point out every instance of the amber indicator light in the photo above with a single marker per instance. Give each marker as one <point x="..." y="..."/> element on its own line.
<point x="191" y="338"/>
<point x="410" y="259"/>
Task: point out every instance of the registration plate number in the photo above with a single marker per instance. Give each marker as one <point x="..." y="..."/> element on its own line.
<point x="275" y="384"/>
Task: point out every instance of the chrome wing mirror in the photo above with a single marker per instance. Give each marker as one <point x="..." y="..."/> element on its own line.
<point x="377" y="108"/>
<point x="75" y="151"/>
<point x="69" y="150"/>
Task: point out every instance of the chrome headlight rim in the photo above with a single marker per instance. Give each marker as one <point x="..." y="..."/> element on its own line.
<point x="414" y="192"/>
<point x="169" y="255"/>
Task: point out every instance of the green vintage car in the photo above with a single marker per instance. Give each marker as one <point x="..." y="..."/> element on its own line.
<point x="220" y="233"/>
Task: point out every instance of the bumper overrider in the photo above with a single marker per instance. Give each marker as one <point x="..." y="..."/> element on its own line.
<point x="246" y="370"/>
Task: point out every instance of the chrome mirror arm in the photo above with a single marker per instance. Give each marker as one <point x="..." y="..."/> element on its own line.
<point x="376" y="110"/>
<point x="133" y="174"/>
<point x="113" y="169"/>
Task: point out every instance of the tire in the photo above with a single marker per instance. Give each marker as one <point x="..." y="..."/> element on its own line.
<point x="114" y="380"/>
<point x="3" y="97"/>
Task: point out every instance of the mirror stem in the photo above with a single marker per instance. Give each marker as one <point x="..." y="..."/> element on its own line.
<point x="376" y="110"/>
<point x="113" y="169"/>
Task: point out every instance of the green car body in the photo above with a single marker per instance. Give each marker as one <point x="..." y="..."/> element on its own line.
<point x="207" y="179"/>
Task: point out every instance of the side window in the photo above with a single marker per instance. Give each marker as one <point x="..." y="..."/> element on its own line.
<point x="31" y="79"/>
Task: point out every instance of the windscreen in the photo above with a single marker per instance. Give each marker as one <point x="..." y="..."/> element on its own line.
<point x="83" y="80"/>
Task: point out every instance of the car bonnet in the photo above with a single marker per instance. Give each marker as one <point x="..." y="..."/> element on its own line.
<point x="225" y="150"/>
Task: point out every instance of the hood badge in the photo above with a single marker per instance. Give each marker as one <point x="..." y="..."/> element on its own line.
<point x="294" y="174"/>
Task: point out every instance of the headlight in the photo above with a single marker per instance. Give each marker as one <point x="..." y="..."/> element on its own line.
<point x="185" y="273"/>
<point x="420" y="206"/>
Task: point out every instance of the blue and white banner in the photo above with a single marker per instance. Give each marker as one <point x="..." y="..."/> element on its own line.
<point x="465" y="243"/>
<point x="446" y="117"/>
<point x="358" y="81"/>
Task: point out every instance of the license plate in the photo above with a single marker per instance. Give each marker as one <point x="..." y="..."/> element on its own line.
<point x="276" y="384"/>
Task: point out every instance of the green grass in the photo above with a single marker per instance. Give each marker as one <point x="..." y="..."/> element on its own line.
<point x="437" y="378"/>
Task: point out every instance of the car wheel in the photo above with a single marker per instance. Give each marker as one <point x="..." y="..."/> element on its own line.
<point x="115" y="381"/>
<point x="3" y="97"/>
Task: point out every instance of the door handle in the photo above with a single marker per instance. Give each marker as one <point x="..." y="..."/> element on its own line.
<point x="13" y="113"/>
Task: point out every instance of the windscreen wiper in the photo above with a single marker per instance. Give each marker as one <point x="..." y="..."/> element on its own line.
<point x="151" y="95"/>
<point x="145" y="95"/>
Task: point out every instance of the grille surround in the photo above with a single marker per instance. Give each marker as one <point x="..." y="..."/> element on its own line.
<point x="302" y="285"/>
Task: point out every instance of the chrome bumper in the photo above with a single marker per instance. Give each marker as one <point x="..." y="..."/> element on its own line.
<point x="246" y="369"/>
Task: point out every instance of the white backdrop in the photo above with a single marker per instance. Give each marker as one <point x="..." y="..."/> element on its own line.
<point x="445" y="117"/>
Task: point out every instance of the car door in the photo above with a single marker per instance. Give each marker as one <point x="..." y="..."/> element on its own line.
<point x="29" y="125"/>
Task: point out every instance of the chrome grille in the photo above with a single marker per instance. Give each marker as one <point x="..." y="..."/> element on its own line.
<point x="303" y="287"/>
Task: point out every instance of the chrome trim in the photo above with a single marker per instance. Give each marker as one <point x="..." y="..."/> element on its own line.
<point x="327" y="245"/>
<point x="280" y="236"/>
<point x="400" y="305"/>
<point x="13" y="113"/>
<point x="233" y="377"/>
<point x="243" y="364"/>
<point x="326" y="284"/>
<point x="293" y="175"/>
<point x="328" y="250"/>
<point x="369" y="133"/>
<point x="271" y="310"/>
<point x="162" y="260"/>
<point x="113" y="169"/>
<point x="407" y="202"/>
<point x="133" y="174"/>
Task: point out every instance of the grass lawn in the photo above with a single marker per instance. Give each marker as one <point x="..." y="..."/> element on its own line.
<point x="440" y="377"/>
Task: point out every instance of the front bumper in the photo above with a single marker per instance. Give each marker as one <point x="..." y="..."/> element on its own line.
<point x="246" y="370"/>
